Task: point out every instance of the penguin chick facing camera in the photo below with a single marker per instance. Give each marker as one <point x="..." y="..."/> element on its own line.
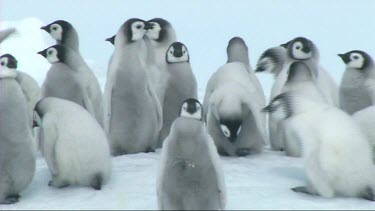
<point x="190" y="175"/>
<point x="73" y="143"/>
<point x="337" y="155"/>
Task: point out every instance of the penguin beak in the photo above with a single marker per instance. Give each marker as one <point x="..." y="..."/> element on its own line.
<point x="149" y="26"/>
<point x="177" y="53"/>
<point x="344" y="58"/>
<point x="35" y="123"/>
<point x="43" y="53"/>
<point x="45" y="28"/>
<point x="268" y="109"/>
<point x="259" y="69"/>
<point x="285" y="45"/>
<point x="111" y="39"/>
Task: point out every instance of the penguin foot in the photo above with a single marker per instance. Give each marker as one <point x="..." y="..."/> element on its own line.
<point x="303" y="189"/>
<point x="97" y="181"/>
<point x="11" y="199"/>
<point x="57" y="184"/>
<point x="368" y="194"/>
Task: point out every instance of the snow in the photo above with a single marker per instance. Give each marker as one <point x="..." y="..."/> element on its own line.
<point x="253" y="182"/>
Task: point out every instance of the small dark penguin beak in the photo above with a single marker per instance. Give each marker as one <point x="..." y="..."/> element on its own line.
<point x="149" y="26"/>
<point x="45" y="28"/>
<point x="35" y="124"/>
<point x="111" y="39"/>
<point x="259" y="69"/>
<point x="344" y="58"/>
<point x="268" y="109"/>
<point x="285" y="45"/>
<point x="43" y="53"/>
<point x="177" y="53"/>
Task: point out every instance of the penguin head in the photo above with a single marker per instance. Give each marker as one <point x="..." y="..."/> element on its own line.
<point x="356" y="59"/>
<point x="54" y="54"/>
<point x="111" y="39"/>
<point x="160" y="29"/>
<point x="280" y="107"/>
<point x="191" y="108"/>
<point x="132" y="30"/>
<point x="300" y="48"/>
<point x="271" y="60"/>
<point x="231" y="128"/>
<point x="176" y="53"/>
<point x="8" y="61"/>
<point x="58" y="29"/>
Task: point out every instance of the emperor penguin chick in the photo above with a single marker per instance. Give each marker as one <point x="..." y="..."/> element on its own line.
<point x="234" y="118"/>
<point x="272" y="61"/>
<point x="132" y="110"/>
<point x="300" y="80"/>
<point x="29" y="86"/>
<point x="17" y="151"/>
<point x="70" y="78"/>
<point x="73" y="143"/>
<point x="338" y="158"/>
<point x="357" y="89"/>
<point x="158" y="38"/>
<point x="182" y="85"/>
<point x="190" y="175"/>
<point x="64" y="33"/>
<point x="366" y="120"/>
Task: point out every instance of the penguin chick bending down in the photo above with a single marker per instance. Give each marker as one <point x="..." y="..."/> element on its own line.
<point x="182" y="85"/>
<point x="357" y="89"/>
<point x="29" y="86"/>
<point x="70" y="78"/>
<point x="300" y="80"/>
<point x="234" y="118"/>
<point x="337" y="155"/>
<point x="75" y="146"/>
<point x="64" y="33"/>
<point x="17" y="151"/>
<point x="158" y="38"/>
<point x="190" y="175"/>
<point x="133" y="115"/>
<point x="272" y="61"/>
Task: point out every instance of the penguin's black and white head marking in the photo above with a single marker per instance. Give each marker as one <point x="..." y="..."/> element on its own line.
<point x="54" y="54"/>
<point x="138" y="30"/>
<point x="58" y="29"/>
<point x="176" y="53"/>
<point x="191" y="108"/>
<point x="356" y="59"/>
<point x="8" y="61"/>
<point x="300" y="48"/>
<point x="280" y="107"/>
<point x="269" y="60"/>
<point x="158" y="31"/>
<point x="231" y="128"/>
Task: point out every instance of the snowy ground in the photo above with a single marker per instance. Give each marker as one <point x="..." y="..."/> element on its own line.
<point x="253" y="182"/>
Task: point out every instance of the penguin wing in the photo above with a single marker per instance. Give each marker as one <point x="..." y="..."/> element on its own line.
<point x="159" y="112"/>
<point x="370" y="88"/>
<point x="6" y="33"/>
<point x="49" y="139"/>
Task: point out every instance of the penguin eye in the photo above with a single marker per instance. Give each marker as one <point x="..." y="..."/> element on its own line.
<point x="184" y="51"/>
<point x="298" y="47"/>
<point x="49" y="52"/>
<point x="355" y="57"/>
<point x="2" y="63"/>
<point x="171" y="52"/>
<point x="138" y="26"/>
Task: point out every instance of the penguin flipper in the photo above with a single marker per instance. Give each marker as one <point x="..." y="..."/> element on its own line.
<point x="51" y="134"/>
<point x="159" y="112"/>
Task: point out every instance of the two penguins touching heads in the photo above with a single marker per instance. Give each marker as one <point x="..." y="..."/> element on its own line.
<point x="149" y="102"/>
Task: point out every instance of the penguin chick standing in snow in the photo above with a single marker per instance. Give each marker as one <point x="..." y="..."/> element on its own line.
<point x="182" y="85"/>
<point x="272" y="61"/>
<point x="158" y="38"/>
<point x="338" y="159"/>
<point x="132" y="109"/>
<point x="234" y="119"/>
<point x="357" y="89"/>
<point x="64" y="33"/>
<point x="29" y="86"/>
<point x="300" y="80"/>
<point x="75" y="146"/>
<point x="70" y="78"/>
<point x="17" y="152"/>
<point x="190" y="175"/>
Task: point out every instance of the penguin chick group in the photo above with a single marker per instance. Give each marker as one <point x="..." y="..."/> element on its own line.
<point x="150" y="102"/>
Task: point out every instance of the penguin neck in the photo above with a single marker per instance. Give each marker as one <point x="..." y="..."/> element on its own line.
<point x="133" y="50"/>
<point x="157" y="51"/>
<point x="370" y="71"/>
<point x="8" y="73"/>
<point x="70" y="40"/>
<point x="74" y="60"/>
